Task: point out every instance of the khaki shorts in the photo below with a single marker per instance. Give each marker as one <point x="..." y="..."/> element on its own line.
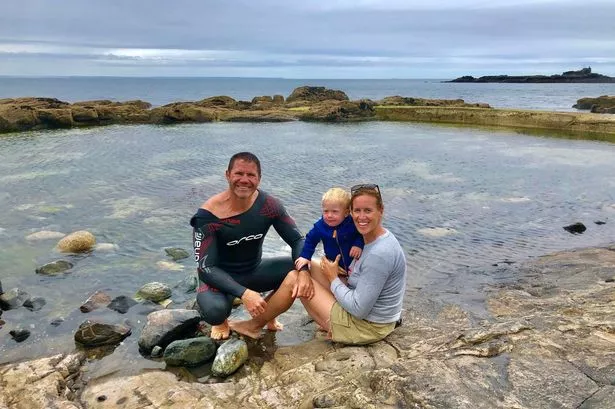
<point x="347" y="329"/>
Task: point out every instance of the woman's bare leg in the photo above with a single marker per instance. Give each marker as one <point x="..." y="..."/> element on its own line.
<point x="277" y="303"/>
<point x="319" y="307"/>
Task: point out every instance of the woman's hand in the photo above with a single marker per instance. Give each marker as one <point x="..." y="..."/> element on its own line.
<point x="330" y="268"/>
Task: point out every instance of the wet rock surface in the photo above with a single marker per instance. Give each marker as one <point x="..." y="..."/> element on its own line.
<point x="604" y="104"/>
<point x="549" y="341"/>
<point x="154" y="291"/>
<point x="94" y="333"/>
<point x="77" y="242"/>
<point x="166" y="326"/>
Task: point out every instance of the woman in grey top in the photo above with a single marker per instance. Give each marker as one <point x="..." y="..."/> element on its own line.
<point x="362" y="307"/>
<point x="365" y="306"/>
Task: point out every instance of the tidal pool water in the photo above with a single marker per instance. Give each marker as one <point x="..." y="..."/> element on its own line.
<point x="464" y="203"/>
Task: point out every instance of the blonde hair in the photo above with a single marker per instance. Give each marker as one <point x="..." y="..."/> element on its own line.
<point x="337" y="195"/>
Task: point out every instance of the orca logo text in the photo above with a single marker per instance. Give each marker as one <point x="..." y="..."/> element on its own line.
<point x="246" y="238"/>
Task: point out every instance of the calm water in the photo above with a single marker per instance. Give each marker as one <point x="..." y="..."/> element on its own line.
<point x="159" y="91"/>
<point x="460" y="200"/>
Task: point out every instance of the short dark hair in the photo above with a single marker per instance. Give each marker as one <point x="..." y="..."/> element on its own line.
<point x="246" y="156"/>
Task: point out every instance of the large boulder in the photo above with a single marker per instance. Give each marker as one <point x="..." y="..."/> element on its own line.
<point x="602" y="105"/>
<point x="230" y="356"/>
<point x="189" y="352"/>
<point x="166" y="326"/>
<point x="221" y="101"/>
<point x="77" y="242"/>
<point x="316" y="94"/>
<point x="340" y="112"/>
<point x="95" y="333"/>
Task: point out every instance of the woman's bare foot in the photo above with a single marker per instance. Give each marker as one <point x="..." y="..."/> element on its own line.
<point x="274" y="325"/>
<point x="221" y="331"/>
<point x="248" y="328"/>
<point x="321" y="328"/>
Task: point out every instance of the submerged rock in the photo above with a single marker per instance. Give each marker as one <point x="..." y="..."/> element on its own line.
<point x="13" y="298"/>
<point x="77" y="242"/>
<point x="19" y="335"/>
<point x="35" y="303"/>
<point x="121" y="304"/>
<point x="94" y="333"/>
<point x="176" y="253"/>
<point x="44" y="235"/>
<point x="230" y="356"/>
<point x="189" y="352"/>
<point x="55" y="267"/>
<point x="576" y="228"/>
<point x="97" y="300"/>
<point x="154" y="291"/>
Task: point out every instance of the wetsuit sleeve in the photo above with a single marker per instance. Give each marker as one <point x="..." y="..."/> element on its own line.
<point x="206" y="256"/>
<point x="311" y="241"/>
<point x="288" y="231"/>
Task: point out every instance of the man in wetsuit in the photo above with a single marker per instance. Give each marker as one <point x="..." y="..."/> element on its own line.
<point x="228" y="234"/>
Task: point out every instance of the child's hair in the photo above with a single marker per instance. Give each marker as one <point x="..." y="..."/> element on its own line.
<point x="337" y="195"/>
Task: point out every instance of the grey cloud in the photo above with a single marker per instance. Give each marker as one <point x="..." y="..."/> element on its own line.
<point x="280" y="30"/>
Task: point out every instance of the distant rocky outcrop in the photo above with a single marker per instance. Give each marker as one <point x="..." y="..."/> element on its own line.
<point x="601" y="105"/>
<point x="582" y="75"/>
<point x="409" y="101"/>
<point x="316" y="94"/>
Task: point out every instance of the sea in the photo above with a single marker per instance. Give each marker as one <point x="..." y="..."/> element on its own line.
<point x="467" y="204"/>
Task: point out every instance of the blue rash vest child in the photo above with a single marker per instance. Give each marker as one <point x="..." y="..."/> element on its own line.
<point x="346" y="236"/>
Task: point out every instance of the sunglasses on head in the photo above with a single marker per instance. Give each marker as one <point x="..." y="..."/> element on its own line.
<point x="366" y="186"/>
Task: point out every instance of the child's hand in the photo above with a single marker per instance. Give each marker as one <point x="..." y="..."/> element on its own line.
<point x="300" y="262"/>
<point x="355" y="252"/>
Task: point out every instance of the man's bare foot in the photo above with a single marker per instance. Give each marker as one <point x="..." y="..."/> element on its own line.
<point x="321" y="328"/>
<point x="221" y="331"/>
<point x="274" y="325"/>
<point x="246" y="328"/>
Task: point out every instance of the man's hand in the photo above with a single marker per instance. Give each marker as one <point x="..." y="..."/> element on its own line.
<point x="300" y="262"/>
<point x="253" y="302"/>
<point x="355" y="252"/>
<point x="330" y="268"/>
<point x="304" y="287"/>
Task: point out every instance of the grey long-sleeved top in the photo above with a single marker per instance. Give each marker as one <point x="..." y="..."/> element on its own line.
<point x="377" y="282"/>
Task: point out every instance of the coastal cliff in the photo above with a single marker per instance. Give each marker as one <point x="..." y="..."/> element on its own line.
<point x="583" y="75"/>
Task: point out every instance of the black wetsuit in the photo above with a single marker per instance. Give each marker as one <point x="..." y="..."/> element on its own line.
<point x="229" y="254"/>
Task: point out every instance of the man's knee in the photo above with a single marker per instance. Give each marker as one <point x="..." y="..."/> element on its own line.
<point x="290" y="280"/>
<point x="213" y="313"/>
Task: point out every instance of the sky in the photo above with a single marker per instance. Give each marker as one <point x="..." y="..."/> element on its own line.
<point x="305" y="39"/>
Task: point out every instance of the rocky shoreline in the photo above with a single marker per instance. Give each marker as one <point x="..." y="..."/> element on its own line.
<point x="303" y="104"/>
<point x="549" y="341"/>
